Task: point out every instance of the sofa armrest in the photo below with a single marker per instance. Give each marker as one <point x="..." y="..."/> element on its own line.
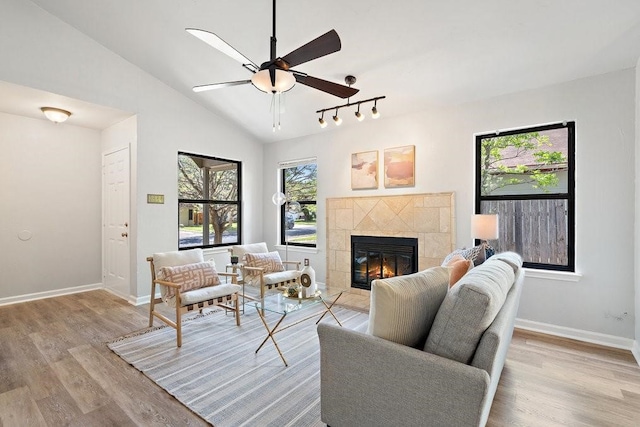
<point x="368" y="381"/>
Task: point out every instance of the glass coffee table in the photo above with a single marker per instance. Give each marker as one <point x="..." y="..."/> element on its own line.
<point x="283" y="305"/>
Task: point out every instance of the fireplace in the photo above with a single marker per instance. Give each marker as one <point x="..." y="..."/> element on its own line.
<point x="375" y="257"/>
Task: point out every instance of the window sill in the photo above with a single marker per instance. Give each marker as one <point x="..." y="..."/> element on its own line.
<point x="300" y="249"/>
<point x="563" y="276"/>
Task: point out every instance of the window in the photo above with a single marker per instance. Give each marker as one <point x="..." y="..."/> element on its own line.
<point x="298" y="215"/>
<point x="209" y="194"/>
<point x="526" y="177"/>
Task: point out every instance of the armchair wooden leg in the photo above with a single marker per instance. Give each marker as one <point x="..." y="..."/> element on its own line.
<point x="237" y="310"/>
<point x="152" y="303"/>
<point x="178" y="324"/>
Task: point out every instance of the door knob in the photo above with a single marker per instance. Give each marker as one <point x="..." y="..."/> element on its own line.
<point x="124" y="234"/>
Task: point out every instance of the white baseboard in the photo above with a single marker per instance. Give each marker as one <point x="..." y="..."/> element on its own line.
<point x="636" y="351"/>
<point x="577" y="334"/>
<point x="49" y="294"/>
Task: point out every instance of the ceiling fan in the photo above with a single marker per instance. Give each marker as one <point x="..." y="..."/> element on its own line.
<point x="277" y="75"/>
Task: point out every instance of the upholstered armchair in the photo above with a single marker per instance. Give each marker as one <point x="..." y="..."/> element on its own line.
<point x="188" y="283"/>
<point x="265" y="269"/>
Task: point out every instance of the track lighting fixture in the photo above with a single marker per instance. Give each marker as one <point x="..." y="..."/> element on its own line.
<point x="337" y="119"/>
<point x="349" y="80"/>
<point x="374" y="111"/>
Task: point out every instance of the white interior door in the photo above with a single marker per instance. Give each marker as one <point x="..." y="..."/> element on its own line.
<point x="116" y="222"/>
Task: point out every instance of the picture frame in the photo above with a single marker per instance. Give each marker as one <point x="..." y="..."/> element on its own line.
<point x="399" y="166"/>
<point x="364" y="170"/>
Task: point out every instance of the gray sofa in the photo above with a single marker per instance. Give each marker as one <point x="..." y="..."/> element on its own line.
<point x="370" y="381"/>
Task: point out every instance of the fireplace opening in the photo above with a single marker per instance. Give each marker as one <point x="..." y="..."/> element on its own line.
<point x="374" y="257"/>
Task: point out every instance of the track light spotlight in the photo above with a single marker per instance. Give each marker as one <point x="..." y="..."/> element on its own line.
<point x="337" y="119"/>
<point x="374" y="111"/>
<point x="359" y="115"/>
<point x="323" y="124"/>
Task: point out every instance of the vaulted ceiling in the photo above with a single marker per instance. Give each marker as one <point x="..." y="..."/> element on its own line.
<point x="419" y="53"/>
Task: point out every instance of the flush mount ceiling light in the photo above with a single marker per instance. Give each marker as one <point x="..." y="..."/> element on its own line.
<point x="374" y="111"/>
<point x="56" y="115"/>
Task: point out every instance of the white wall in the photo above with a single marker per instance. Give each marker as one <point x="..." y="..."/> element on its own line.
<point x="636" y="348"/>
<point x="603" y="108"/>
<point x="40" y="51"/>
<point x="50" y="180"/>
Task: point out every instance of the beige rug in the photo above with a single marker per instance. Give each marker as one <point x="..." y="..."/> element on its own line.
<point x="217" y="374"/>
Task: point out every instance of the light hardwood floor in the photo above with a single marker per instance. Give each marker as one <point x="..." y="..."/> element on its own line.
<point x="55" y="369"/>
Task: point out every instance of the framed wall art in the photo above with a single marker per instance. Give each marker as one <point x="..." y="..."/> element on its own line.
<point x="364" y="170"/>
<point x="399" y="166"/>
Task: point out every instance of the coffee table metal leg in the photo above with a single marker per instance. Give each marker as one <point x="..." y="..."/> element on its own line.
<point x="328" y="309"/>
<point x="271" y="333"/>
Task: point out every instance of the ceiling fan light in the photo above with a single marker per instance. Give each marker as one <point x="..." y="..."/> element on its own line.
<point x="323" y="123"/>
<point x="374" y="112"/>
<point x="284" y="81"/>
<point x="359" y="115"/>
<point x="56" y="115"/>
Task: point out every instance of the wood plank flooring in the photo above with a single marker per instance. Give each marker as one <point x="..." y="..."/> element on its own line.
<point x="55" y="370"/>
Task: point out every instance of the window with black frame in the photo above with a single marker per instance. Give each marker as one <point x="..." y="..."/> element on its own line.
<point x="526" y="177"/>
<point x="298" y="222"/>
<point x="209" y="194"/>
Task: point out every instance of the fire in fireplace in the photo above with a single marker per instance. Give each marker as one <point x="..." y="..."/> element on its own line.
<point x="374" y="257"/>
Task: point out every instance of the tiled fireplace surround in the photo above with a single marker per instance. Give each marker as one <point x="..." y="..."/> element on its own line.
<point x="428" y="217"/>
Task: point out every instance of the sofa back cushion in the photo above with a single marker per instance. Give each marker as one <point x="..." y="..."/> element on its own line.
<point x="469" y="308"/>
<point x="403" y="307"/>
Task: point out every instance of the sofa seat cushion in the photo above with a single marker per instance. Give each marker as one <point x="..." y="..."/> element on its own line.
<point x="204" y="294"/>
<point x="468" y="309"/>
<point x="402" y="308"/>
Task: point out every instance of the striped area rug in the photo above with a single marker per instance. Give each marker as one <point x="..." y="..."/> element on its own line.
<point x="217" y="374"/>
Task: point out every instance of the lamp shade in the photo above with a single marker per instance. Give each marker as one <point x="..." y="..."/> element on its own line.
<point x="484" y="227"/>
<point x="56" y="115"/>
<point x="284" y="81"/>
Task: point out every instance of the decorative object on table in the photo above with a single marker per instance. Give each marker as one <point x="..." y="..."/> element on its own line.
<point x="364" y="170"/>
<point x="234" y="259"/>
<point x="484" y="227"/>
<point x="399" y="166"/>
<point x="292" y="292"/>
<point x="308" y="280"/>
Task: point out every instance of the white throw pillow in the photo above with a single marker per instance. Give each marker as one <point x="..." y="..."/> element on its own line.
<point x="403" y="307"/>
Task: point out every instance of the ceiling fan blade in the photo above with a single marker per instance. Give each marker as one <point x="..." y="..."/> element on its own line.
<point x="224" y="47"/>
<point x="323" y="45"/>
<point x="202" y="88"/>
<point x="335" y="89"/>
